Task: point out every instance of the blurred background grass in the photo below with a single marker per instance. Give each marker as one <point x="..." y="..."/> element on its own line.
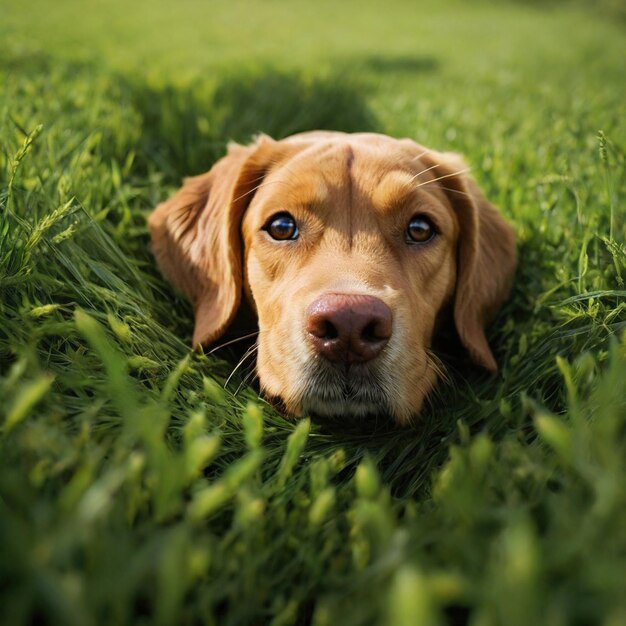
<point x="189" y="36"/>
<point x="134" y="488"/>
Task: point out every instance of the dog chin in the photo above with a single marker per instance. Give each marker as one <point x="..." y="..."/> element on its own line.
<point x="330" y="392"/>
<point x="341" y="408"/>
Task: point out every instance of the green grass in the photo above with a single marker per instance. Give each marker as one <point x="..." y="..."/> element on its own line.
<point x="135" y="489"/>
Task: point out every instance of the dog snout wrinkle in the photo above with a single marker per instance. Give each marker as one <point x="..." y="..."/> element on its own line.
<point x="348" y="328"/>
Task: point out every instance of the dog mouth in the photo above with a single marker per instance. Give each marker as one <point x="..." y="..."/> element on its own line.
<point x="353" y="391"/>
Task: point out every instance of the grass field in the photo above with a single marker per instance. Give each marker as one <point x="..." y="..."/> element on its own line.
<point x="135" y="489"/>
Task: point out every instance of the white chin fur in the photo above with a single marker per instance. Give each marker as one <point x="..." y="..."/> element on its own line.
<point x="342" y="408"/>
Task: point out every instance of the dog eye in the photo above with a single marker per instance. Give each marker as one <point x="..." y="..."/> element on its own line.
<point x="420" y="230"/>
<point x="281" y="227"/>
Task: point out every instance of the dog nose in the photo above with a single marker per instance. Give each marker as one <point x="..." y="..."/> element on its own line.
<point x="348" y="328"/>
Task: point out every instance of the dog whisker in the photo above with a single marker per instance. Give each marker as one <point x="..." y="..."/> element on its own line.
<point x="421" y="154"/>
<point x="432" y="167"/>
<point x="249" y="352"/>
<point x="248" y="379"/>
<point x="450" y="175"/>
<point x="436" y="364"/>
<point x="269" y="182"/>
<point x="295" y="175"/>
<point x="232" y="341"/>
<point x="458" y="191"/>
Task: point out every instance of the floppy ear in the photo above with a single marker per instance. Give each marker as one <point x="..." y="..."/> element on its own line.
<point x="195" y="236"/>
<point x="486" y="255"/>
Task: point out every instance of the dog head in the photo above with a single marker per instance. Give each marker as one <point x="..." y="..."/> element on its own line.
<point x="349" y="248"/>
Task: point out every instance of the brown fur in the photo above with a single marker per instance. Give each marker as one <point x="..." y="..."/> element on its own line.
<point x="352" y="196"/>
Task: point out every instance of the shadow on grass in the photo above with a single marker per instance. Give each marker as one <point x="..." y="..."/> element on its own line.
<point x="610" y="9"/>
<point x="186" y="129"/>
<point x="386" y="64"/>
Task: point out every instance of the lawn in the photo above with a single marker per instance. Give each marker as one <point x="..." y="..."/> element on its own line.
<point x="137" y="487"/>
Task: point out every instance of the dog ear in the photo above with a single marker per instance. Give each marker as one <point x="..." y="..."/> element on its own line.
<point x="486" y="255"/>
<point x="196" y="240"/>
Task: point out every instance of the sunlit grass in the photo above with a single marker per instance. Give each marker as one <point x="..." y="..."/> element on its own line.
<point x="135" y="488"/>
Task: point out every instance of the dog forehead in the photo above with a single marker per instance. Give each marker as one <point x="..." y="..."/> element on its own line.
<point x="317" y="168"/>
<point x="330" y="168"/>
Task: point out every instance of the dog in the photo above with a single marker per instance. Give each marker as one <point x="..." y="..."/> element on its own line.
<point x="351" y="249"/>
